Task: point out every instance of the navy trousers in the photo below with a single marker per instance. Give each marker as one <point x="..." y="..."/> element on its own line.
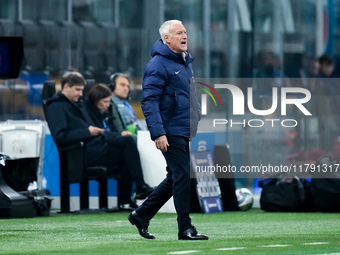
<point x="176" y="184"/>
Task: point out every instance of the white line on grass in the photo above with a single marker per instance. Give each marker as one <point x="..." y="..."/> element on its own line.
<point x="182" y="252"/>
<point x="230" y="249"/>
<point x="316" y="243"/>
<point x="338" y="253"/>
<point x="273" y="245"/>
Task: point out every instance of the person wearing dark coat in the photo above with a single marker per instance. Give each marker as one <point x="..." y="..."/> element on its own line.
<point x="172" y="112"/>
<point x="68" y="123"/>
<point x="96" y="106"/>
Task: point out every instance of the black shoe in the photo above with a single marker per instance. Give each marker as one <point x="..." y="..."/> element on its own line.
<point x="141" y="224"/>
<point x="144" y="192"/>
<point x="191" y="234"/>
<point x="129" y="207"/>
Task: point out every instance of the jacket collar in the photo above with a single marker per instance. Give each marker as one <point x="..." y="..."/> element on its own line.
<point x="159" y="48"/>
<point x="60" y="97"/>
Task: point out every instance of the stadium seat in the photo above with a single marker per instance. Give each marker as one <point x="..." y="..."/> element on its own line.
<point x="33" y="45"/>
<point x="72" y="47"/>
<point x="7" y="27"/>
<point x="110" y="53"/>
<point x="72" y="169"/>
<point x="54" y="61"/>
<point x="93" y="51"/>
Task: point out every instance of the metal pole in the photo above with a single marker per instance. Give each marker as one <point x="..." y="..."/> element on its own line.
<point x="116" y="13"/>
<point x="232" y="43"/>
<point x="319" y="28"/>
<point x="69" y="11"/>
<point x="206" y="36"/>
<point x="19" y="9"/>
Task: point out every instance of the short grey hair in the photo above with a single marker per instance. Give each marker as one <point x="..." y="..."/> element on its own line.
<point x="165" y="28"/>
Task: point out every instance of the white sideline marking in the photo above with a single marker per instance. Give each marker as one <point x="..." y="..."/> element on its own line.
<point x="338" y="253"/>
<point x="273" y="245"/>
<point x="230" y="249"/>
<point x="316" y="243"/>
<point x="182" y="252"/>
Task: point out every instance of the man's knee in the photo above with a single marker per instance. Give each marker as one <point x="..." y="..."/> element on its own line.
<point x="127" y="140"/>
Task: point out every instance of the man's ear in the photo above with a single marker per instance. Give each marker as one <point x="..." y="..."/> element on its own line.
<point x="166" y="38"/>
<point x="66" y="86"/>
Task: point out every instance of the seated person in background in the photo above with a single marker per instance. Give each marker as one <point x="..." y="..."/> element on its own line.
<point x="327" y="103"/>
<point x="68" y="122"/>
<point x="98" y="101"/>
<point x="326" y="64"/>
<point x="122" y="115"/>
<point x="328" y="87"/>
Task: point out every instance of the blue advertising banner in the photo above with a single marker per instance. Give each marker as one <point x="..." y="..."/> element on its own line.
<point x="208" y="188"/>
<point x="212" y="204"/>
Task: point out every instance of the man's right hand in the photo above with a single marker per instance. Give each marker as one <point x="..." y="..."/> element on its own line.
<point x="162" y="143"/>
<point x="96" y="131"/>
<point x="124" y="133"/>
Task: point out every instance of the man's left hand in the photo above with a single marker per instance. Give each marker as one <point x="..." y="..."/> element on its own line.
<point x="162" y="143"/>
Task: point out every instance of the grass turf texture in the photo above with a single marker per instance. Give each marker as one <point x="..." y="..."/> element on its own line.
<point x="111" y="233"/>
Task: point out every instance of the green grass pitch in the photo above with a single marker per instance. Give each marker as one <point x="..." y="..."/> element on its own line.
<point x="251" y="232"/>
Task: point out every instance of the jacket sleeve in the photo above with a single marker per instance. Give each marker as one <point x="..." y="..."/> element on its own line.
<point x="116" y="123"/>
<point x="155" y="78"/>
<point x="57" y="122"/>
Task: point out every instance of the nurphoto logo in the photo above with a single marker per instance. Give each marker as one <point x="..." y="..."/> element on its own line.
<point x="278" y="94"/>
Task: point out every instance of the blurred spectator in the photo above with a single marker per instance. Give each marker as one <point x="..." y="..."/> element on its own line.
<point x="269" y="66"/>
<point x="310" y="68"/>
<point x="122" y="116"/>
<point x="326" y="86"/>
<point x="327" y="103"/>
<point x="98" y="101"/>
<point x="326" y="66"/>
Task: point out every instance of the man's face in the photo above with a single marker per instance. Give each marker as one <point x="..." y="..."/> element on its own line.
<point x="122" y="87"/>
<point x="177" y="40"/>
<point x="327" y="69"/>
<point x="73" y="93"/>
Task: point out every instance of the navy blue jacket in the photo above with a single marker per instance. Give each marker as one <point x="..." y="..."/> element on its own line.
<point x="169" y="100"/>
